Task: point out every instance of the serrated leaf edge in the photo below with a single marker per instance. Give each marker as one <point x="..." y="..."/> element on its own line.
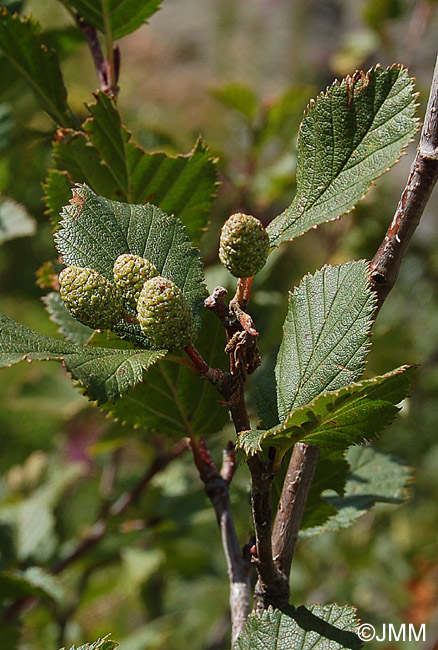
<point x="270" y="433"/>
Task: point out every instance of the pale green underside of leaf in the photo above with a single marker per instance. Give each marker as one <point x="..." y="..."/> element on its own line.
<point x="69" y="327"/>
<point x="34" y="582"/>
<point x="349" y="136"/>
<point x="318" y="627"/>
<point x="107" y="160"/>
<point x="125" y="15"/>
<point x="21" y="43"/>
<point x="95" y="231"/>
<point x="14" y="221"/>
<point x="374" y="477"/>
<point x="172" y="399"/>
<point x="106" y="373"/>
<point x="336" y="420"/>
<point x="325" y="335"/>
<point x="331" y="474"/>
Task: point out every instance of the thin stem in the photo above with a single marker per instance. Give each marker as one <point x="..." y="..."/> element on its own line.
<point x="216" y="376"/>
<point x="247" y="291"/>
<point x="92" y="38"/>
<point x="423" y="175"/>
<point x="272" y="587"/>
<point x="217" y="489"/>
<point x="110" y="59"/>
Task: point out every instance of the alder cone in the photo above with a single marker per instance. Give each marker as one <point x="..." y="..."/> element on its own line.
<point x="244" y="245"/>
<point x="164" y="315"/>
<point x="130" y="273"/>
<point x="89" y="297"/>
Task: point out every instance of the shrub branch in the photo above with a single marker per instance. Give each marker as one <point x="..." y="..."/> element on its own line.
<point x="423" y="175"/>
<point x="384" y="270"/>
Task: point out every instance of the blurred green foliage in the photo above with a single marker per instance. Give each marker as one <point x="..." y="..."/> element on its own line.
<point x="240" y="73"/>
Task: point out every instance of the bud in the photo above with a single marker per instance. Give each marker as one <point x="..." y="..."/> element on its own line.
<point x="89" y="297"/>
<point x="164" y="314"/>
<point x="130" y="274"/>
<point x="244" y="245"/>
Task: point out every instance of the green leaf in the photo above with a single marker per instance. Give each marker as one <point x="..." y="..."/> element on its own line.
<point x="350" y="135"/>
<point x="326" y="334"/>
<point x="318" y="627"/>
<point x="6" y="125"/>
<point x="283" y="116"/>
<point x="22" y="45"/>
<point x="125" y="16"/>
<point x="106" y="373"/>
<point x="10" y="635"/>
<point x="69" y="327"/>
<point x="101" y="644"/>
<point x="174" y="400"/>
<point x="331" y="474"/>
<point x="14" y="221"/>
<point x="374" y="477"/>
<point x="75" y="154"/>
<point x="105" y="158"/>
<point x="266" y="397"/>
<point x="33" y="582"/>
<point x="57" y="192"/>
<point x="336" y="420"/>
<point x="240" y="97"/>
<point x="95" y="231"/>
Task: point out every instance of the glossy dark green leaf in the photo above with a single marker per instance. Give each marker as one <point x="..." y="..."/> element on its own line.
<point x="57" y="192"/>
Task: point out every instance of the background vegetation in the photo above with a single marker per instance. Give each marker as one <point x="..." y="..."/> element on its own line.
<point x="158" y="573"/>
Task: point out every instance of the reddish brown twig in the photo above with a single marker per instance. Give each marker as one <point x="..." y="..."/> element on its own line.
<point x="107" y="69"/>
<point x="216" y="376"/>
<point x="423" y="175"/>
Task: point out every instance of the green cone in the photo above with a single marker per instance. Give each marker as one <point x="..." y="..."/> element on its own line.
<point x="164" y="315"/>
<point x="130" y="274"/>
<point x="89" y="297"/>
<point x="244" y="245"/>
